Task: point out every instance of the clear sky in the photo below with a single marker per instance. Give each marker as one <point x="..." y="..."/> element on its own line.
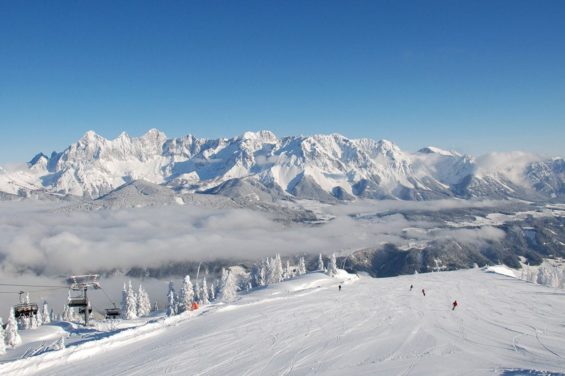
<point x="475" y="76"/>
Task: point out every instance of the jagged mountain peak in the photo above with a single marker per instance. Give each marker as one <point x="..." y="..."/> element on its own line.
<point x="438" y="151"/>
<point x="262" y="135"/>
<point x="316" y="167"/>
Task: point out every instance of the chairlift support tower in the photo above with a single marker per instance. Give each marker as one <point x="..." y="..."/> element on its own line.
<point x="82" y="283"/>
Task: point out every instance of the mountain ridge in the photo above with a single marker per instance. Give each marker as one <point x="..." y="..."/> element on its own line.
<point x="319" y="167"/>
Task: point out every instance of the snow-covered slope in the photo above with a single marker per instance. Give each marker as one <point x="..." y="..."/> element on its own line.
<point x="320" y="167"/>
<point x="502" y="326"/>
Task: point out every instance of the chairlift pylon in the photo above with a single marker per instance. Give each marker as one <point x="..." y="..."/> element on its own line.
<point x="82" y="283"/>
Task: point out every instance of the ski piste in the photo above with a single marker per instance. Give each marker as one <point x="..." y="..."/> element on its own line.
<point x="306" y="326"/>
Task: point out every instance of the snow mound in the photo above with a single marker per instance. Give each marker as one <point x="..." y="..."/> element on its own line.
<point x="503" y="270"/>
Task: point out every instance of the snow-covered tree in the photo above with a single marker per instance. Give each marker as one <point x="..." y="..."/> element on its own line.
<point x="129" y="302"/>
<point x="123" y="302"/>
<point x="332" y="266"/>
<point x="197" y="291"/>
<point x="23" y="322"/>
<point x="2" y="338"/>
<point x="13" y="339"/>
<point x="171" y="300"/>
<point x="275" y="270"/>
<point x="301" y="266"/>
<point x="68" y="314"/>
<point x="543" y="276"/>
<point x="204" y="293"/>
<point x="228" y="291"/>
<point x="35" y="321"/>
<point x="186" y="294"/>
<point x="45" y="315"/>
<point x="143" y="302"/>
<point x="287" y="270"/>
<point x="320" y="263"/>
<point x="256" y="278"/>
<point x="212" y="292"/>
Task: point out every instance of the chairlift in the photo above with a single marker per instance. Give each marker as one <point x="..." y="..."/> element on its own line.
<point x="112" y="313"/>
<point x="25" y="308"/>
<point x="82" y="283"/>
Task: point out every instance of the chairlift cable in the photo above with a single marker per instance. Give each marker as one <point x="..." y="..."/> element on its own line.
<point x="107" y="297"/>
<point x="24" y="285"/>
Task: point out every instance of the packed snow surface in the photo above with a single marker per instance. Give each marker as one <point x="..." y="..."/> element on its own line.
<point x="502" y="326"/>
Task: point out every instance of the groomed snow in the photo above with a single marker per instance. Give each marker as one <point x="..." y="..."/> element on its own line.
<point x="503" y="326"/>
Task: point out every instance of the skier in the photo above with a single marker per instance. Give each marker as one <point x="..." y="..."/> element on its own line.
<point x="454" y="305"/>
<point x="411" y="286"/>
<point x="423" y="292"/>
<point x="339" y="287"/>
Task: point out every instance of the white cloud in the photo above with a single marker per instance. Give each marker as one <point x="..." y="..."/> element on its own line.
<point x="34" y="236"/>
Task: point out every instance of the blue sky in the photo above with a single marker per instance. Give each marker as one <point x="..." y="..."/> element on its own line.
<point x="475" y="76"/>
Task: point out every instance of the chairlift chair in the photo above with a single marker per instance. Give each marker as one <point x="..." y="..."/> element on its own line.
<point x="25" y="308"/>
<point x="112" y="313"/>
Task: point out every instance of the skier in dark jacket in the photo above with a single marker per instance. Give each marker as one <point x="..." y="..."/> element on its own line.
<point x="454" y="305"/>
<point x="339" y="286"/>
<point x="423" y="292"/>
<point x="411" y="286"/>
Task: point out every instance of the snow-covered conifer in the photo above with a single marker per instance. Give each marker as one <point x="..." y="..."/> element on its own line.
<point x="45" y="315"/>
<point x="2" y="338"/>
<point x="123" y="302"/>
<point x="129" y="302"/>
<point x="13" y="339"/>
<point x="288" y="271"/>
<point x="228" y="291"/>
<point x="197" y="291"/>
<point x="23" y="323"/>
<point x="37" y="321"/>
<point x="320" y="263"/>
<point x="204" y="293"/>
<point x="143" y="302"/>
<point x="212" y="292"/>
<point x="276" y="270"/>
<point x="187" y="294"/>
<point x="332" y="266"/>
<point x="256" y="275"/>
<point x="301" y="266"/>
<point x="171" y="300"/>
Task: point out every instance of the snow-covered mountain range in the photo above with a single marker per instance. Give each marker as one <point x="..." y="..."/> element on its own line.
<point x="262" y="166"/>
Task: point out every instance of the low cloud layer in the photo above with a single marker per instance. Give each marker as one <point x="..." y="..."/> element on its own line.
<point x="34" y="236"/>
